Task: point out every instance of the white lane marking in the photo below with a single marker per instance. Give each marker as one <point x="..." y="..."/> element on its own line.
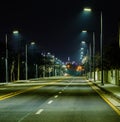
<point x="60" y="92"/>
<point x="55" y="96"/>
<point x="39" y="111"/>
<point x="50" y="101"/>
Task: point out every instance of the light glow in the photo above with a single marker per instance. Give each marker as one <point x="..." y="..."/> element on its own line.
<point x="84" y="31"/>
<point x="87" y="9"/>
<point x="15" y="32"/>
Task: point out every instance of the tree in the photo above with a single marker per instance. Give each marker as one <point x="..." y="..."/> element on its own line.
<point x="112" y="56"/>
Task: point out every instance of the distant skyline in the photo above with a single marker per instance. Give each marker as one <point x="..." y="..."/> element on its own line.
<point x="56" y="25"/>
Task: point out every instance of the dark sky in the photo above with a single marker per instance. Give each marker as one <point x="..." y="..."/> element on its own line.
<point x="56" y="24"/>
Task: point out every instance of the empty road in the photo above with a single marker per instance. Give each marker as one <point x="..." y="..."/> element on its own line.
<point x="54" y="100"/>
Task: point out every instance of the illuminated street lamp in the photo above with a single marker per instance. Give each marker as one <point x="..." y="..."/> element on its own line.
<point x="94" y="55"/>
<point x="119" y="33"/>
<point x="87" y="9"/>
<point x="101" y="40"/>
<point x="84" y="31"/>
<point x="93" y="38"/>
<point x="16" y="32"/>
<point x="90" y="56"/>
<point x="26" y="58"/>
<point x="101" y="36"/>
<point x="6" y="59"/>
<point x="83" y="42"/>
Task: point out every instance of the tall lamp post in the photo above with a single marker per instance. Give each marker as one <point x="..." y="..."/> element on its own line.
<point x="101" y="41"/>
<point x="26" y="65"/>
<point x="90" y="51"/>
<point x="26" y="60"/>
<point x="6" y="59"/>
<point x="16" y="32"/>
<point x="94" y="54"/>
<point x="93" y="49"/>
<point x="119" y="33"/>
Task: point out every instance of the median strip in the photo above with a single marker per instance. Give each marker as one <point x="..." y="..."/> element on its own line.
<point x="3" y="97"/>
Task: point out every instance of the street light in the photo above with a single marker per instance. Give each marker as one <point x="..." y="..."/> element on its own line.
<point x="6" y="59"/>
<point x="101" y="41"/>
<point x="93" y="38"/>
<point x="26" y="66"/>
<point x="94" y="54"/>
<point x="54" y="74"/>
<point x="26" y="58"/>
<point x="87" y="9"/>
<point x="101" y="37"/>
<point x="16" y="32"/>
<point x="119" y="33"/>
<point x="90" y="55"/>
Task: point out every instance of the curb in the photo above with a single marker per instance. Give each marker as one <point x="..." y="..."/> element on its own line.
<point x="108" y="92"/>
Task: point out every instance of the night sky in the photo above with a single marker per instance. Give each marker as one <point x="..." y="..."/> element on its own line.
<point x="56" y="24"/>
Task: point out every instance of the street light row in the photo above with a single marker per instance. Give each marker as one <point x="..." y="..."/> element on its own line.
<point x="6" y="59"/>
<point x="26" y="58"/>
<point x="101" y="44"/>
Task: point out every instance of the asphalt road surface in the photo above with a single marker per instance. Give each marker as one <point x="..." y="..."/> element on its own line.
<point x="54" y="100"/>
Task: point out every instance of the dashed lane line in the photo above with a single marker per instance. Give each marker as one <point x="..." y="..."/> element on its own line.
<point x="55" y="96"/>
<point x="50" y="101"/>
<point x="60" y="92"/>
<point x="39" y="111"/>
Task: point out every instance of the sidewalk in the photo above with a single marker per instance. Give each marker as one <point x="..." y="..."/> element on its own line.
<point x="110" y="88"/>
